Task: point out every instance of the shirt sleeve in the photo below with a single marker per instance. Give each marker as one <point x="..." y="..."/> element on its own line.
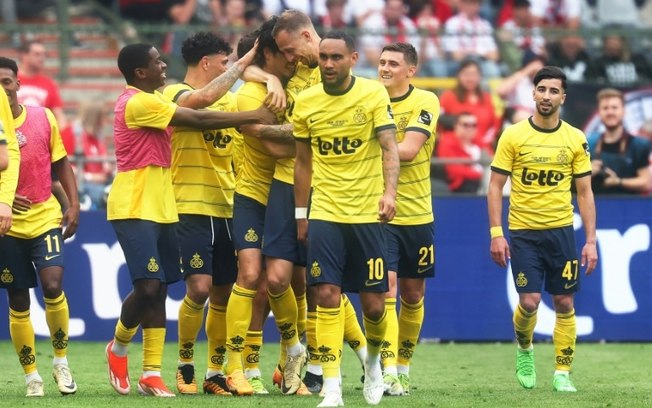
<point x="504" y="158"/>
<point x="57" y="149"/>
<point x="9" y="176"/>
<point x="582" y="161"/>
<point x="300" y="127"/>
<point x="424" y="116"/>
<point x="149" y="110"/>
<point x="382" y="109"/>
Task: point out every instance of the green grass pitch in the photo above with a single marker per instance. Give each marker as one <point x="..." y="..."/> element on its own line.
<point x="443" y="375"/>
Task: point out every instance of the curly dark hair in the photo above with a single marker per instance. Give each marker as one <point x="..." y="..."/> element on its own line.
<point x="203" y="43"/>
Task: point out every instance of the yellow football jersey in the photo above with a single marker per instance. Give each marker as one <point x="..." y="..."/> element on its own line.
<point x="255" y="173"/>
<point x="9" y="176"/>
<point x="202" y="167"/>
<point x="46" y="215"/>
<point x="303" y="78"/>
<point x="347" y="159"/>
<point x="416" y="111"/>
<point x="541" y="164"/>
<point x="144" y="193"/>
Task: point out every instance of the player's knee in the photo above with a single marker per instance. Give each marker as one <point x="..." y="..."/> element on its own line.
<point x="411" y="297"/>
<point x="277" y="284"/>
<point x="19" y="300"/>
<point x="563" y="304"/>
<point x="51" y="290"/>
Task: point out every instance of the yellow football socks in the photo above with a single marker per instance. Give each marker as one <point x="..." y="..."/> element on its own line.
<point x="22" y="336"/>
<point x="524" y="323"/>
<point x="238" y="317"/>
<point x="191" y="316"/>
<point x="389" y="348"/>
<point x="216" y="335"/>
<point x="329" y="340"/>
<point x="410" y="320"/>
<point x="251" y="352"/>
<point x="563" y="337"/>
<point x="57" y="316"/>
<point x="153" y="343"/>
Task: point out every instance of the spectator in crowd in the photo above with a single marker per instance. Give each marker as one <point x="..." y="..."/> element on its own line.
<point x="619" y="66"/>
<point x="392" y="24"/>
<point x="90" y="152"/>
<point x="467" y="34"/>
<point x="557" y="13"/>
<point x="334" y="17"/>
<point x="619" y="160"/>
<point x="516" y="91"/>
<point x="364" y="9"/>
<point x="428" y="27"/>
<point x="569" y="53"/>
<point x="37" y="89"/>
<point x="520" y="37"/>
<point x="239" y="16"/>
<point x="458" y="144"/>
<point x="468" y="96"/>
<point x="645" y="132"/>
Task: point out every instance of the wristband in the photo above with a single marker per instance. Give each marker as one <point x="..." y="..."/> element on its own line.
<point x="496" y="232"/>
<point x="301" y="213"/>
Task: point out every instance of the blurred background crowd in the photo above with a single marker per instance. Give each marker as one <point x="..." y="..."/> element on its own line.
<point x="479" y="56"/>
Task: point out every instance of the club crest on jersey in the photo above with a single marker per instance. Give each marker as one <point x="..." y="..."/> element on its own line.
<point x="425" y="117"/>
<point x="402" y="123"/>
<point x="20" y="137"/>
<point x="563" y="157"/>
<point x="359" y="116"/>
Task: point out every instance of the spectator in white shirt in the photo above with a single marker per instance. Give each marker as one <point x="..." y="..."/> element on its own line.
<point x="467" y="34"/>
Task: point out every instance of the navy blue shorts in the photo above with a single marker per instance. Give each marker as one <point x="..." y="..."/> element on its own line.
<point x="21" y="258"/>
<point x="248" y="222"/>
<point x="207" y="248"/>
<point x="151" y="249"/>
<point x="280" y="229"/>
<point x="351" y="256"/>
<point x="411" y="250"/>
<point x="548" y="256"/>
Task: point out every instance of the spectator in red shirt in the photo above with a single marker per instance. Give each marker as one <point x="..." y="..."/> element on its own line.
<point x="37" y="88"/>
<point x="90" y="150"/>
<point x="462" y="177"/>
<point x="468" y="96"/>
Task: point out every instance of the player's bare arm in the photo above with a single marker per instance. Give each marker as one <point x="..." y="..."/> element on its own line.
<point x="410" y="146"/>
<point x="586" y="204"/>
<point x="276" y="99"/>
<point x="391" y="168"/>
<point x="207" y="120"/>
<point x="277" y="140"/>
<point x="302" y="180"/>
<point x="499" y="247"/>
<point x="71" y="216"/>
<point x="218" y="87"/>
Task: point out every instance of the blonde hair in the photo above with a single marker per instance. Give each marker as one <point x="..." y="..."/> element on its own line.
<point x="91" y="115"/>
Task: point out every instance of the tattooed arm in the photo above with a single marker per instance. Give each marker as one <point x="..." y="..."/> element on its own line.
<point x="218" y="87"/>
<point x="391" y="166"/>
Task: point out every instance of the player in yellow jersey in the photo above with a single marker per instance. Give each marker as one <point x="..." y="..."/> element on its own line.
<point x="142" y="207"/>
<point x="34" y="244"/>
<point x="543" y="156"/>
<point x="346" y="150"/>
<point x="297" y="39"/>
<point x="253" y="180"/>
<point x="203" y="181"/>
<point x="410" y="235"/>
<point x="10" y="163"/>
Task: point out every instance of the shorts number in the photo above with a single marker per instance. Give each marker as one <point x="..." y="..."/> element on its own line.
<point x="376" y="268"/>
<point x="427" y="255"/>
<point x="570" y="270"/>
<point x="52" y="241"/>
